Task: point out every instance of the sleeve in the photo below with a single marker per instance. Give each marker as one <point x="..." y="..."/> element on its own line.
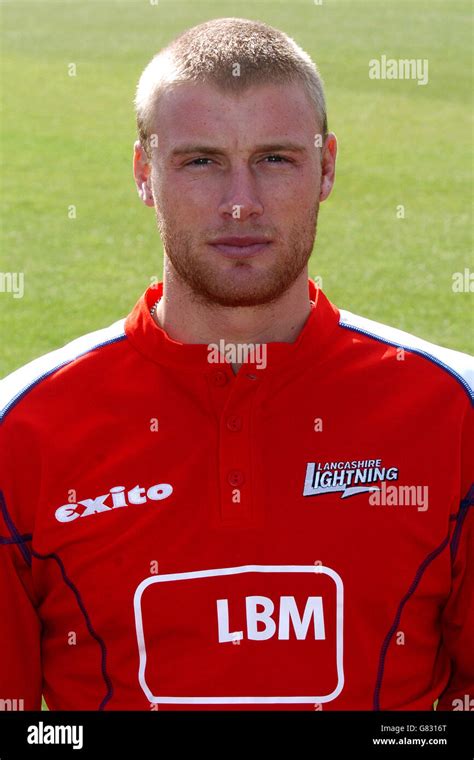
<point x="458" y="615"/>
<point x="20" y="627"/>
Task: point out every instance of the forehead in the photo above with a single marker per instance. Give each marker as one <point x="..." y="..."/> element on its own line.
<point x="201" y="111"/>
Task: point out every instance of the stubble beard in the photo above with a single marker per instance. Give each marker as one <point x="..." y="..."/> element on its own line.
<point x="209" y="285"/>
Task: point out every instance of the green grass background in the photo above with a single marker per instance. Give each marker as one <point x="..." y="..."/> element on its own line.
<point x="68" y="140"/>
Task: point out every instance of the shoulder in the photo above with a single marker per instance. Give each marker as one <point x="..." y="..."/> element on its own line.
<point x="456" y="363"/>
<point x="16" y="386"/>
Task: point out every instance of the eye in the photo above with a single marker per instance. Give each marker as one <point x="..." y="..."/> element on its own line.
<point x="194" y="162"/>
<point x="279" y="159"/>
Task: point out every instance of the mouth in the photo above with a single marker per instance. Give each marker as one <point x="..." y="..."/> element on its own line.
<point x="243" y="247"/>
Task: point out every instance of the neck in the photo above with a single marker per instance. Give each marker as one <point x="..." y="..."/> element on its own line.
<point x="189" y="320"/>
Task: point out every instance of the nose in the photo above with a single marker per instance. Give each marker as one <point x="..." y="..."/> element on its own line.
<point x="240" y="199"/>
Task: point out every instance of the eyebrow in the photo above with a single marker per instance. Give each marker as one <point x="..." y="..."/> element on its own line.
<point x="182" y="150"/>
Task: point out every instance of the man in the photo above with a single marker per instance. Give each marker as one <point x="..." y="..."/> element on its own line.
<point x="240" y="496"/>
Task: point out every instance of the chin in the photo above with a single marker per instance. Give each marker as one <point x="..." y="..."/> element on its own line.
<point x="243" y="296"/>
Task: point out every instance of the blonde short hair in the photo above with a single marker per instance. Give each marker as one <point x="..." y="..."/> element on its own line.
<point x="231" y="54"/>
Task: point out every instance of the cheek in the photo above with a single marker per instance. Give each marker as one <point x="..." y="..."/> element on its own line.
<point x="294" y="189"/>
<point x="194" y="194"/>
<point x="289" y="201"/>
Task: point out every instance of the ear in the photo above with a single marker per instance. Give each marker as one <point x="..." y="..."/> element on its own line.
<point x="328" y="166"/>
<point x="142" y="174"/>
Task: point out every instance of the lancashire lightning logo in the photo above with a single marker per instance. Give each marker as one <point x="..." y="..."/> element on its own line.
<point x="346" y="476"/>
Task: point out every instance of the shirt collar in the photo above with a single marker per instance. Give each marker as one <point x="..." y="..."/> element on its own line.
<point x="154" y="343"/>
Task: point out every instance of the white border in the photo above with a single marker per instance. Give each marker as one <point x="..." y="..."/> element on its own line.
<point x="234" y="571"/>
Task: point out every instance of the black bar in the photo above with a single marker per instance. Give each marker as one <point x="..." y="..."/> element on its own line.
<point x="251" y="734"/>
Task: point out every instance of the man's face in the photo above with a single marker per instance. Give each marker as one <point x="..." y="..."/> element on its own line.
<point x="237" y="166"/>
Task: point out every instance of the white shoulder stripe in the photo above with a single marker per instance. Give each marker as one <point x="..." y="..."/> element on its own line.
<point x="458" y="364"/>
<point x="15" y="385"/>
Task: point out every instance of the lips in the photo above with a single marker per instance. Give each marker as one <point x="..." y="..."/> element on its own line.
<point x="245" y="246"/>
<point x="241" y="241"/>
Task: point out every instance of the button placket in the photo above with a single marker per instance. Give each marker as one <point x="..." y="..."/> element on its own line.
<point x="235" y="451"/>
<point x="220" y="383"/>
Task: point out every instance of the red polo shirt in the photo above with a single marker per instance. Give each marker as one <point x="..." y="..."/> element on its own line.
<point x="296" y="536"/>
